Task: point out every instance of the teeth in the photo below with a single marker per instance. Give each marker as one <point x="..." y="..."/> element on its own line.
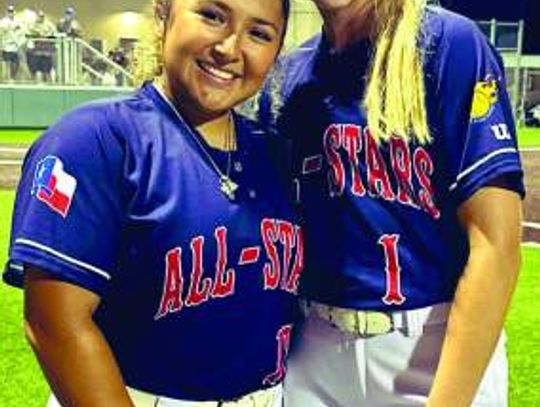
<point x="217" y="72"/>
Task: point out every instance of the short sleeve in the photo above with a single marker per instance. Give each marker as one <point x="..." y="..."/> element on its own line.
<point x="477" y="130"/>
<point x="69" y="206"/>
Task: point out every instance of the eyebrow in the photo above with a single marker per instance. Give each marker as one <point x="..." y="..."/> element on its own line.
<point x="256" y="20"/>
<point x="262" y="21"/>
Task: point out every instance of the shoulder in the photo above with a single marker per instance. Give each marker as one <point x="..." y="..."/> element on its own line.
<point x="297" y="65"/>
<point x="99" y="127"/>
<point x="303" y="52"/>
<point x="104" y="115"/>
<point x="446" y="31"/>
<point x="455" y="47"/>
<point x="291" y="70"/>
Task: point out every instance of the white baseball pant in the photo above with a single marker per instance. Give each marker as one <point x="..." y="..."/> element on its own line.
<point x="272" y="397"/>
<point x="331" y="368"/>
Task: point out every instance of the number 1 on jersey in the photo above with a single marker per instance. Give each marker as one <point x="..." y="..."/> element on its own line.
<point x="393" y="294"/>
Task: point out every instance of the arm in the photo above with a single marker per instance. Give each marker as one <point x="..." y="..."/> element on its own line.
<point x="71" y="349"/>
<point x="492" y="220"/>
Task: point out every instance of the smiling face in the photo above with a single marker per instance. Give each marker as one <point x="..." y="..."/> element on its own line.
<point x="216" y="53"/>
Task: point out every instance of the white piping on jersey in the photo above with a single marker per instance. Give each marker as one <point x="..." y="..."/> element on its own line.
<point x="479" y="163"/>
<point x="17" y="267"/>
<point x="63" y="257"/>
<point x="532" y="225"/>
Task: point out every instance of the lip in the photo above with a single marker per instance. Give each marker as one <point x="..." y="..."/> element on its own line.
<point x="216" y="74"/>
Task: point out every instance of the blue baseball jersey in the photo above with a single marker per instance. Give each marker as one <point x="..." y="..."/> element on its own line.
<point x="381" y="226"/>
<point x="197" y="290"/>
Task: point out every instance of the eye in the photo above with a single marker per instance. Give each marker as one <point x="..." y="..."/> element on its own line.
<point x="261" y="35"/>
<point x="213" y="16"/>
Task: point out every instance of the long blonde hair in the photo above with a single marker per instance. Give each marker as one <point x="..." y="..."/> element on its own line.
<point x="395" y="93"/>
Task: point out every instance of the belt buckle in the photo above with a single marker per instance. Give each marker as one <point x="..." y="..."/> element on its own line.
<point x="373" y="323"/>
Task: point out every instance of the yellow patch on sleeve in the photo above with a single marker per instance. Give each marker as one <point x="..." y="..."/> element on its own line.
<point x="485" y="97"/>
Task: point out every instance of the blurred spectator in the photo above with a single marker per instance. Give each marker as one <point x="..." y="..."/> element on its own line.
<point x="41" y="47"/>
<point x="108" y="79"/>
<point x="118" y="56"/>
<point x="12" y="39"/>
<point x="69" y="25"/>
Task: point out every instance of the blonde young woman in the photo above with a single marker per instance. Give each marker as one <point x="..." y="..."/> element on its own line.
<point x="407" y="172"/>
<point x="159" y="252"/>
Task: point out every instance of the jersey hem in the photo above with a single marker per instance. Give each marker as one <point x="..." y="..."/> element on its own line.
<point x="463" y="174"/>
<point x="63" y="267"/>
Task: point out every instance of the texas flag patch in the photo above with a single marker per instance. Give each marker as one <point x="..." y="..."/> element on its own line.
<point x="53" y="186"/>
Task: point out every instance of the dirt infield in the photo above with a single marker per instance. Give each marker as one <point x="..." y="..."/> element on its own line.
<point x="531" y="163"/>
<point x="11" y="157"/>
<point x="10" y="164"/>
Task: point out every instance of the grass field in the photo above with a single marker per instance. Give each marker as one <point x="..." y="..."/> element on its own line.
<point x="22" y="384"/>
<point x="528" y="137"/>
<point x="21" y="381"/>
<point x="19" y="136"/>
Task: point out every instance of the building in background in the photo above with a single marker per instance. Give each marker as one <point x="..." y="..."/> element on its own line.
<point x="515" y="10"/>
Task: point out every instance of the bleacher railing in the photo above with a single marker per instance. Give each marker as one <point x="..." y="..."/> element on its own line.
<point x="63" y="61"/>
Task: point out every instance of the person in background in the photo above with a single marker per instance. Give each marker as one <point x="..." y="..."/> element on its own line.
<point x="12" y="39"/>
<point x="157" y="246"/>
<point x="68" y="24"/>
<point x="41" y="48"/>
<point x="408" y="175"/>
<point x="119" y="57"/>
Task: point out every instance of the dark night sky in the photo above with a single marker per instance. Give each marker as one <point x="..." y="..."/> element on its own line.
<point x="504" y="10"/>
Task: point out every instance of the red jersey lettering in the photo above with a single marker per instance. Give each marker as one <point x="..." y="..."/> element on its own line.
<point x="224" y="282"/>
<point x="286" y="235"/>
<point x="393" y="295"/>
<point x="199" y="287"/>
<point x="401" y="164"/>
<point x="423" y="166"/>
<point x="269" y="233"/>
<point x="378" y="181"/>
<point x="336" y="176"/>
<point x="352" y="142"/>
<point x="173" y="285"/>
<point x="298" y="267"/>
<point x="283" y="338"/>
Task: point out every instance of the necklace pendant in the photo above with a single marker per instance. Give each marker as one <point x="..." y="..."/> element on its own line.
<point x="228" y="187"/>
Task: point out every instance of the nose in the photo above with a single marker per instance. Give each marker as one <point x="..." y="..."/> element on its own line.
<point x="228" y="49"/>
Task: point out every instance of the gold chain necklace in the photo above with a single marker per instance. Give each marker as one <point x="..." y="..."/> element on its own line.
<point x="226" y="184"/>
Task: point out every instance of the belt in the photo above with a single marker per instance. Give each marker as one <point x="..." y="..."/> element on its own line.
<point x="367" y="324"/>
<point x="258" y="398"/>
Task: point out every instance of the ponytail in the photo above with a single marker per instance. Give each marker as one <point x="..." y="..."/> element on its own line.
<point x="395" y="94"/>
